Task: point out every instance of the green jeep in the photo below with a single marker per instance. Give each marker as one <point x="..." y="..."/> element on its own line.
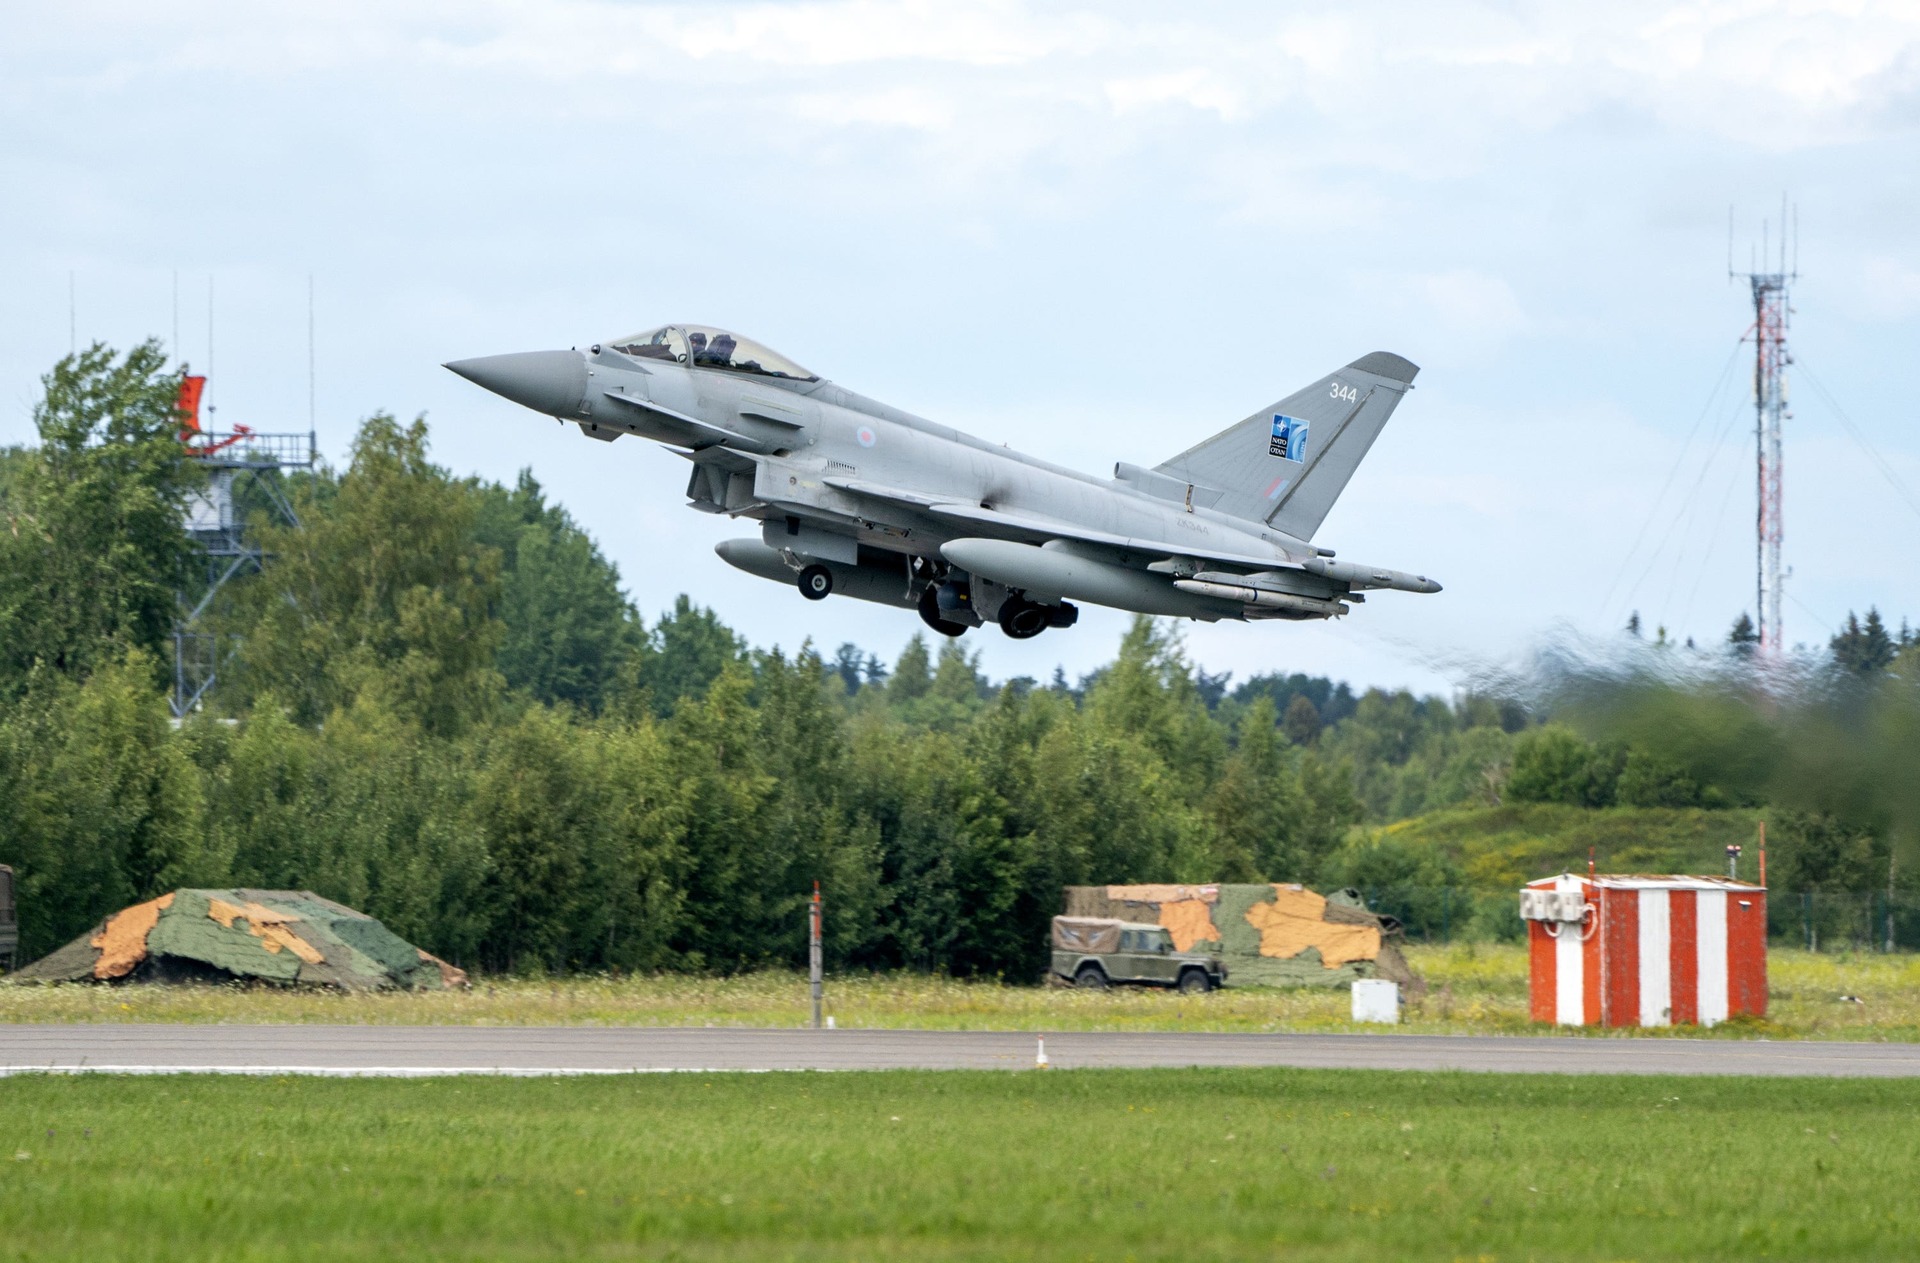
<point x="1098" y="952"/>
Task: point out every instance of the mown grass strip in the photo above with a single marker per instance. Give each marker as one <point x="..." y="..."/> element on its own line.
<point x="1474" y="989"/>
<point x="1177" y="1165"/>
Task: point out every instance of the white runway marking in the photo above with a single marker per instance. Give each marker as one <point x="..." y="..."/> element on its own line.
<point x="375" y="1072"/>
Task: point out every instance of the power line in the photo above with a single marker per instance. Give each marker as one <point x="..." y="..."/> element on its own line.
<point x="1879" y="461"/>
<point x="1691" y="507"/>
<point x="1810" y="614"/>
<point x="1713" y="540"/>
<point x="1719" y="384"/>
<point x="1719" y="441"/>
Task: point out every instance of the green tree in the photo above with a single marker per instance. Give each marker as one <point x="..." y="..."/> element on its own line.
<point x="1554" y="765"/>
<point x="1863" y="648"/>
<point x="266" y="788"/>
<point x="1256" y="805"/>
<point x="736" y="884"/>
<point x="381" y="586"/>
<point x="814" y="832"/>
<point x="1302" y="721"/>
<point x="584" y="829"/>
<point x="956" y="675"/>
<point x="1150" y="693"/>
<point x="93" y="548"/>
<point x="1743" y="640"/>
<point x="912" y="672"/>
<point x="1651" y="780"/>
<point x="101" y="803"/>
<point x="370" y="809"/>
<point x="568" y="631"/>
<point x="688" y="650"/>
<point x="953" y="876"/>
<point x="1821" y="851"/>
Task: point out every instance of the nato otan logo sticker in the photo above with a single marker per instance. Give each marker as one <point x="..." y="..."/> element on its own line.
<point x="1289" y="438"/>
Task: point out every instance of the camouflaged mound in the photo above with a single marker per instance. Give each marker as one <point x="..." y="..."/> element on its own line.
<point x="1268" y="935"/>
<point x="286" y="936"/>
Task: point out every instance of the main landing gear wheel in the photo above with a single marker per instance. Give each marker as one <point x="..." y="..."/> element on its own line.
<point x="930" y="613"/>
<point x="1022" y="619"/>
<point x="816" y="582"/>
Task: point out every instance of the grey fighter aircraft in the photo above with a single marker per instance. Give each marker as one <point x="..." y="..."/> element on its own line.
<point x="857" y="498"/>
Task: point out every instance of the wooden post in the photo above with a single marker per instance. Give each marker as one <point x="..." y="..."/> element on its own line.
<point x="813" y="953"/>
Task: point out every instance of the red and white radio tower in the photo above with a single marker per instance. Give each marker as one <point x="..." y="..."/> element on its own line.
<point x="1771" y="311"/>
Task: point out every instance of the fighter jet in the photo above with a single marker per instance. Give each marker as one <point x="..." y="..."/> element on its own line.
<point x="861" y="499"/>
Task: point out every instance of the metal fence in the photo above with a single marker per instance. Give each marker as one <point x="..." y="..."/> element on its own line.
<point x="1818" y="920"/>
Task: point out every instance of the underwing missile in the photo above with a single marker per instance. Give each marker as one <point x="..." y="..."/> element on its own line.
<point x="1358" y="576"/>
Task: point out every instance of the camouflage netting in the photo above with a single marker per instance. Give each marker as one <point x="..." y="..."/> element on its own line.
<point x="285" y="936"/>
<point x="1268" y="935"/>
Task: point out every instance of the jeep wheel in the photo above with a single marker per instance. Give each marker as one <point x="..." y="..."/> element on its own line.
<point x="1195" y="981"/>
<point x="1092" y="977"/>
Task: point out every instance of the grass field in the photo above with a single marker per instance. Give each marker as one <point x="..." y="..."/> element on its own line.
<point x="1100" y="1165"/>
<point x="1473" y="989"/>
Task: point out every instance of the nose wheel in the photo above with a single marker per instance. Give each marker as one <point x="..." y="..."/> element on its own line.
<point x="816" y="582"/>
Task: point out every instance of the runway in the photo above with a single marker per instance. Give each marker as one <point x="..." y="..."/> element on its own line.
<point x="420" y="1051"/>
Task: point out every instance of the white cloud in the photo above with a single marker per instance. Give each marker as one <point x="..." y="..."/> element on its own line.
<point x="1890" y="287"/>
<point x="1196" y="89"/>
<point x="1082" y="228"/>
<point x="895" y="107"/>
<point x="1475" y="308"/>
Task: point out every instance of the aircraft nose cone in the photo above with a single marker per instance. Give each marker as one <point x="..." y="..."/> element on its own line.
<point x="553" y="382"/>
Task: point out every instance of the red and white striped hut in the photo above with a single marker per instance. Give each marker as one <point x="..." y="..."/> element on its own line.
<point x="1645" y="951"/>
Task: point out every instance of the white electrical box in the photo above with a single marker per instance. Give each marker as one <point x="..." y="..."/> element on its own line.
<point x="1552" y="905"/>
<point x="1376" y="1000"/>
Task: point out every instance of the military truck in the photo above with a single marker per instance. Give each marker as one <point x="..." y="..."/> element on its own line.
<point x="9" y="924"/>
<point x="1098" y="952"/>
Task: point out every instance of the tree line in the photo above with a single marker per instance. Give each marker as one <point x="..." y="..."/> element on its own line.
<point x="438" y="704"/>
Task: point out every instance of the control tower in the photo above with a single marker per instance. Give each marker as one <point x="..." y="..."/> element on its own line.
<point x="244" y="471"/>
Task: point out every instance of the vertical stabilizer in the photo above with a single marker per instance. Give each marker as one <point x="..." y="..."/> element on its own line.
<point x="1286" y="465"/>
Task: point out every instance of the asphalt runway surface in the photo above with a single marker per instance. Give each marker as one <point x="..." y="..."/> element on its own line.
<point x="420" y="1051"/>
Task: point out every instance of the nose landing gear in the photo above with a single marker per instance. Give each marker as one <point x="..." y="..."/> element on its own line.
<point x="816" y="582"/>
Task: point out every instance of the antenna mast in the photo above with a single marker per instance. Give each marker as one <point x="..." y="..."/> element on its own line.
<point x="1771" y="313"/>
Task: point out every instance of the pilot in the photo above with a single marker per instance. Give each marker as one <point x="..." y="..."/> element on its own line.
<point x="698" y="341"/>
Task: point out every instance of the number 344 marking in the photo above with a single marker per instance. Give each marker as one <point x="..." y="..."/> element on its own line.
<point x="1344" y="392"/>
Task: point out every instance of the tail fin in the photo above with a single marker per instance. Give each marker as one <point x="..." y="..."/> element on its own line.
<point x="1287" y="464"/>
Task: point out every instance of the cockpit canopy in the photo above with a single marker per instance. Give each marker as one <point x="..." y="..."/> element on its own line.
<point x="710" y="348"/>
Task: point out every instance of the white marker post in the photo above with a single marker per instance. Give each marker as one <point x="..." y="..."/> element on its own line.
<point x="813" y="953"/>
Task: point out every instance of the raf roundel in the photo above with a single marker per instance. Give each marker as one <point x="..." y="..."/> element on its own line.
<point x="866" y="436"/>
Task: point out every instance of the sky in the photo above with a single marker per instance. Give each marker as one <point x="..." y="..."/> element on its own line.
<point x="1097" y="233"/>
